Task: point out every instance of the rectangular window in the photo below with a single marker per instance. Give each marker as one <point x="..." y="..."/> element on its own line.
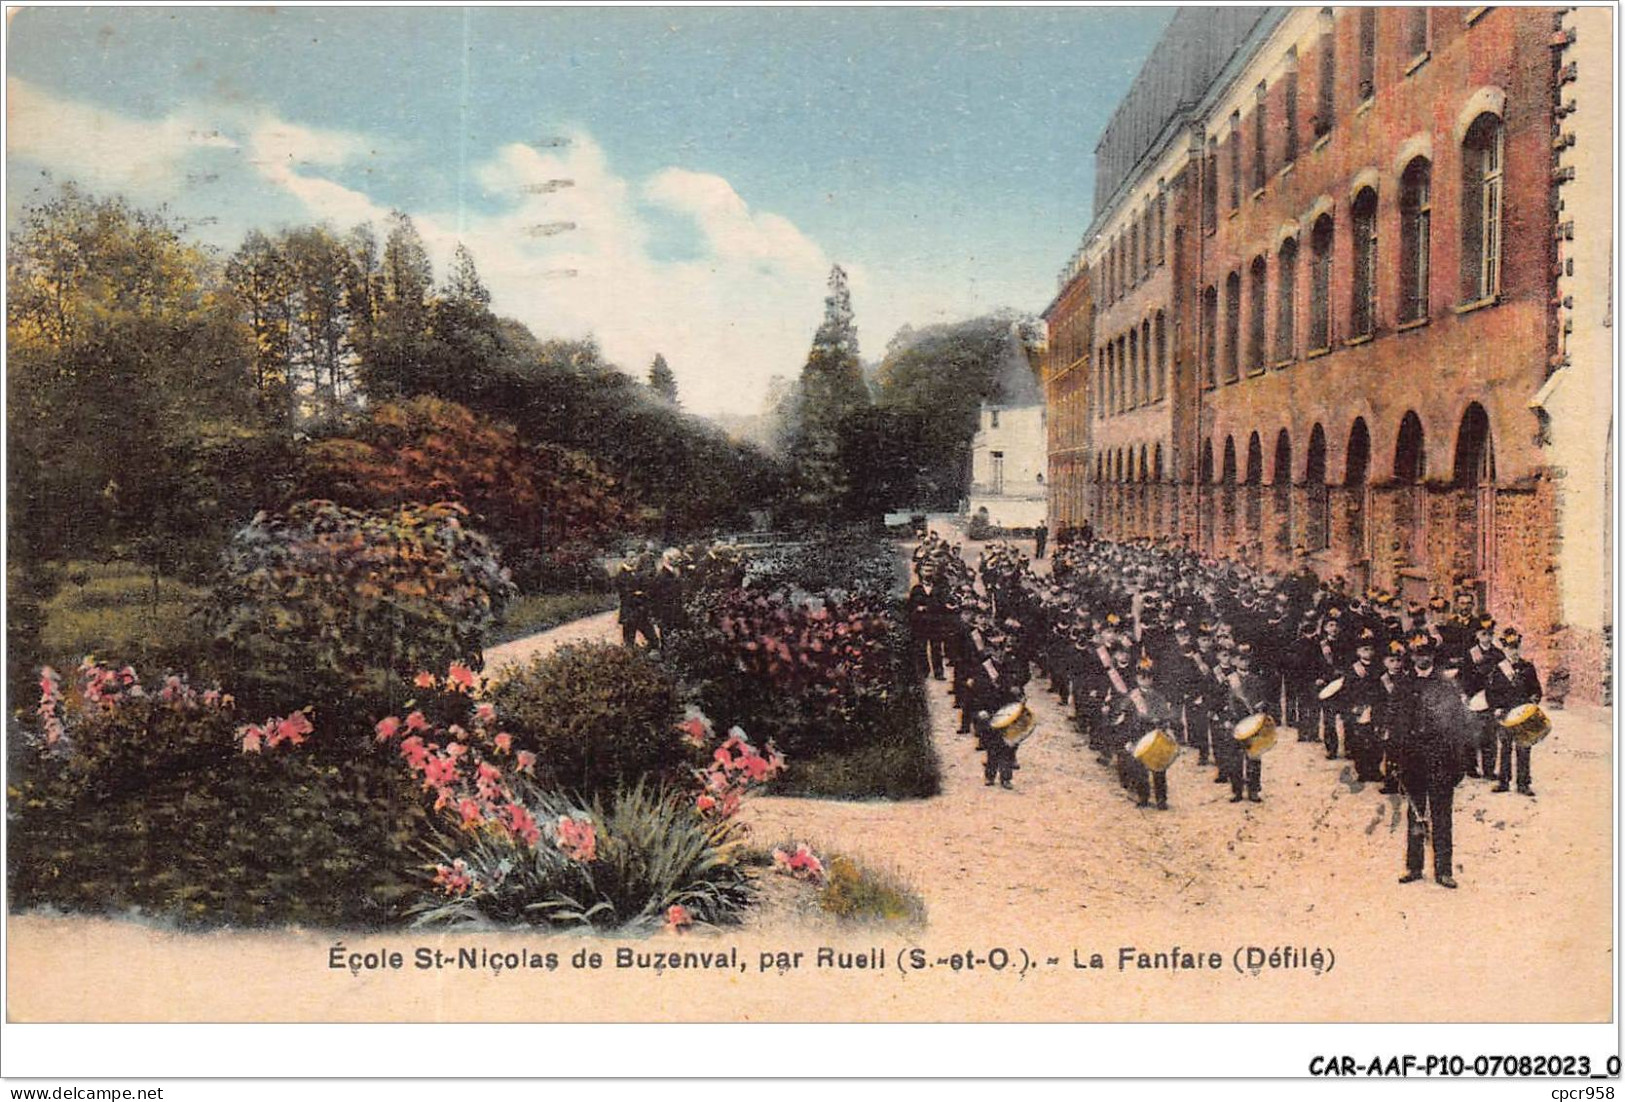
<point x="1210" y="187"/>
<point x="1416" y="32"/>
<point x="1261" y="158"/>
<point x="1290" y="107"/>
<point x="1326" y="93"/>
<point x="1368" y="53"/>
<point x="1363" y="315"/>
<point x="1162" y="228"/>
<point x="1320" y="285"/>
<point x="1235" y="161"/>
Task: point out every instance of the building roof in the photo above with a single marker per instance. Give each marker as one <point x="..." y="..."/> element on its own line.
<point x="1189" y="56"/>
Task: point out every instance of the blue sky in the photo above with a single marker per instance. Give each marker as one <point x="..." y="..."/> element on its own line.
<point x="720" y="159"/>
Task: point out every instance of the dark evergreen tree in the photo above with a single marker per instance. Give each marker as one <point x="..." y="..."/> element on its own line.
<point x="831" y="392"/>
<point x="662" y="381"/>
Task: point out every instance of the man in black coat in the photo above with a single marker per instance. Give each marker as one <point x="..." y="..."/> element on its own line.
<point x="1431" y="735"/>
<point x="929" y="614"/>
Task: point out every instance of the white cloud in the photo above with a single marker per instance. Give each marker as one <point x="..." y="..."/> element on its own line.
<point x="568" y="259"/>
<point x="103" y="148"/>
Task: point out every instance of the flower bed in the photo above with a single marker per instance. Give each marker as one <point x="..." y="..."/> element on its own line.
<point x="825" y="671"/>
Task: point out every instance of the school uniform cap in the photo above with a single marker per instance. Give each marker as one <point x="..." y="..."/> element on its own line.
<point x="1367" y="637"/>
<point x="1437" y="603"/>
<point x="1397" y="647"/>
<point x="1511" y="637"/>
<point x="1486" y="623"/>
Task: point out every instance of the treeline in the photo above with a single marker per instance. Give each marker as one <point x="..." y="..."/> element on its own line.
<point x="160" y="395"/>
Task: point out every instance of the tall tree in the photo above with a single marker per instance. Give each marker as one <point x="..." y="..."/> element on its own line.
<point x="661" y="380"/>
<point x="394" y="362"/>
<point x="830" y="393"/>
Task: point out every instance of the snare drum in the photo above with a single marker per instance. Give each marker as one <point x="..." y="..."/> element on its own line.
<point x="1157" y="750"/>
<point x="1013" y="723"/>
<point x="1256" y="734"/>
<point x="1528" y="724"/>
<point x="1332" y="688"/>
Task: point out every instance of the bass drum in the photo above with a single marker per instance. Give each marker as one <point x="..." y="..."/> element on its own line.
<point x="1014" y="723"/>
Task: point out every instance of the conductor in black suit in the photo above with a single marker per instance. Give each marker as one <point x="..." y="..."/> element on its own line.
<point x="1431" y="736"/>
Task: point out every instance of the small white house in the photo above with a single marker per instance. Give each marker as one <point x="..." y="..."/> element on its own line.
<point x="1007" y="466"/>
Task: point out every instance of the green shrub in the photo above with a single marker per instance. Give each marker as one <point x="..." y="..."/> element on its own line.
<point x="540" y="611"/>
<point x="856" y="893"/>
<point x="599" y="717"/>
<point x="341" y="606"/>
<point x="650" y="851"/>
<point x="125" y="799"/>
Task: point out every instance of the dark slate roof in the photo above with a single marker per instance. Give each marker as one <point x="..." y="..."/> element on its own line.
<point x="1183" y="64"/>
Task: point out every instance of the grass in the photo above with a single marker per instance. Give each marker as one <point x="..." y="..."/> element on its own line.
<point x="858" y="893"/>
<point x="111" y="610"/>
<point x="852" y="891"/>
<point x="541" y="611"/>
<point x="897" y="763"/>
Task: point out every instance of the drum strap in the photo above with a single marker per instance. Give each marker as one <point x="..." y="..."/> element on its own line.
<point x="1507" y="671"/>
<point x="1140" y="705"/>
<point x="1117" y="681"/>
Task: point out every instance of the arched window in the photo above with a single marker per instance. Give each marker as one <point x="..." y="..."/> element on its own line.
<point x="1145" y="361"/>
<point x="1258" y="301"/>
<point x="1133" y="368"/>
<point x="1102" y="371"/>
<point x="1282" y="487"/>
<point x="1286" y="301"/>
<point x="1475" y="453"/>
<point x="1134" y="251"/>
<point x="1156" y="464"/>
<point x="1363" y="308"/>
<point x="1159" y="372"/>
<point x="1317" y="529"/>
<point x="1481" y="166"/>
<point x="1111" y="377"/>
<point x="1415" y="222"/>
<point x="1207" y="460"/>
<point x="1210" y="335"/>
<point x="1358" y="465"/>
<point x="1320" y="284"/>
<point x="1232" y="326"/>
<point x="1410" y="460"/>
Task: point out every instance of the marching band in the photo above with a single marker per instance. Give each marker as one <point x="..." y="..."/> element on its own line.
<point x="1154" y="647"/>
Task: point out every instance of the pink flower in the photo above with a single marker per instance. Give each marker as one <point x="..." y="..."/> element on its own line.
<point x="470" y="811"/>
<point x="454" y="879"/>
<point x="293" y="729"/>
<point x="527" y="762"/>
<point x="693" y="731"/>
<point x="440" y="770"/>
<point x="417" y="722"/>
<point x="578" y="839"/>
<point x="521" y="823"/>
<point x="387" y="727"/>
<point x="678" y="918"/>
<point x="455" y="750"/>
<point x="485" y="712"/>
<point x="488" y="780"/>
<point x="415" y="753"/>
<point x="251" y="736"/>
<point x="424" y="680"/>
<point x="461" y="677"/>
<point x="504" y="742"/>
<point x="704" y="803"/>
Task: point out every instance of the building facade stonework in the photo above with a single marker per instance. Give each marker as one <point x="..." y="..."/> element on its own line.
<point x="1350" y="307"/>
